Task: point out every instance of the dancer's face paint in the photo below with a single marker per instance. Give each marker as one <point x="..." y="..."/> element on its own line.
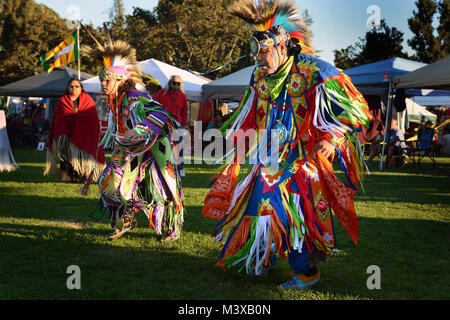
<point x="271" y="58"/>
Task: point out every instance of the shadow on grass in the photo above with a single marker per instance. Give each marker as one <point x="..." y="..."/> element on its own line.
<point x="108" y="270"/>
<point x="25" y="173"/>
<point x="409" y="253"/>
<point x="129" y="268"/>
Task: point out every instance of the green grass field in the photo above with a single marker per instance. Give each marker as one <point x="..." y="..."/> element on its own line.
<point x="404" y="218"/>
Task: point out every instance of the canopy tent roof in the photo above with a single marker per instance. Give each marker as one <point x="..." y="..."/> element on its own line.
<point x="432" y="76"/>
<point x="45" y="84"/>
<point x="161" y="71"/>
<point x="231" y="86"/>
<point x="382" y="72"/>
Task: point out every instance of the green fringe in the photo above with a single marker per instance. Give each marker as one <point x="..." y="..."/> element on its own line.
<point x="228" y="123"/>
<point x="352" y="117"/>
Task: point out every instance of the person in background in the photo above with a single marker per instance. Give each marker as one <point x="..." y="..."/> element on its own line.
<point x="40" y="124"/>
<point x="397" y="143"/>
<point x="173" y="98"/>
<point x="217" y="123"/>
<point x="444" y="141"/>
<point x="375" y="148"/>
<point x="74" y="137"/>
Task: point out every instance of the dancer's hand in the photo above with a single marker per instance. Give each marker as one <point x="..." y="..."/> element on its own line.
<point x="325" y="147"/>
<point x="131" y="135"/>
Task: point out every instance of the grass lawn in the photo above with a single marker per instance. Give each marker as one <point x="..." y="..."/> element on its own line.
<point x="404" y="218"/>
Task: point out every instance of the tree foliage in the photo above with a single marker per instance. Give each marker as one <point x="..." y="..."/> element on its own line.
<point x="425" y="42"/>
<point x="378" y="44"/>
<point x="429" y="43"/>
<point x="198" y="34"/>
<point x="27" y="30"/>
<point x="444" y="27"/>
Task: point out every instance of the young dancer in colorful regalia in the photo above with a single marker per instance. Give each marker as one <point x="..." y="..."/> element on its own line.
<point x="305" y="112"/>
<point x="142" y="175"/>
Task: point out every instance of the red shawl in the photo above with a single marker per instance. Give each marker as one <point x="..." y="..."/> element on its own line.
<point x="83" y="127"/>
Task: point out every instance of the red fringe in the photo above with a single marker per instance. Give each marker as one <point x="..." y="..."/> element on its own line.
<point x="338" y="196"/>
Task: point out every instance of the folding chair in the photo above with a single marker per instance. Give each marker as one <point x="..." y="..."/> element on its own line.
<point x="424" y="146"/>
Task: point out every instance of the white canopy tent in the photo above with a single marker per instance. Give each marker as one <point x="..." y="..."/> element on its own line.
<point x="418" y="113"/>
<point x="161" y="71"/>
<point x="414" y="112"/>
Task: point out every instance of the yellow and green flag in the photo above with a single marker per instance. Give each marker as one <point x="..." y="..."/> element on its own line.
<point x="65" y="52"/>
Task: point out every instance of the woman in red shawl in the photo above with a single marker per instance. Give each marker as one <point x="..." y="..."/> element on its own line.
<point x="74" y="137"/>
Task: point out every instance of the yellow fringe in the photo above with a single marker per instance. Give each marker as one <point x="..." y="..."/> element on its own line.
<point x="82" y="162"/>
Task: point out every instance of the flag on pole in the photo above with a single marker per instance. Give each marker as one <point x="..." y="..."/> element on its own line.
<point x="65" y="52"/>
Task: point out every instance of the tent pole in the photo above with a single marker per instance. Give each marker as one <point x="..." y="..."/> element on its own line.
<point x="387" y="126"/>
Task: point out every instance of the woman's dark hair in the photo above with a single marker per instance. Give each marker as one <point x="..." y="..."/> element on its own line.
<point x="128" y="85"/>
<point x="293" y="46"/>
<point x="72" y="80"/>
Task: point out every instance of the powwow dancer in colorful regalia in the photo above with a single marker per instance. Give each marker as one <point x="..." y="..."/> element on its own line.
<point x="142" y="175"/>
<point x="305" y="112"/>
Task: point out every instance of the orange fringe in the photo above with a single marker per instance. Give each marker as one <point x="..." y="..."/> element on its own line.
<point x="238" y="241"/>
<point x="150" y="217"/>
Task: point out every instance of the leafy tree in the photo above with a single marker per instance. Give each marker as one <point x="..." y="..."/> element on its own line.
<point x="117" y="17"/>
<point x="378" y="44"/>
<point x="424" y="42"/>
<point x="382" y="44"/>
<point x="346" y="58"/>
<point x="138" y="27"/>
<point x="198" y="34"/>
<point x="27" y="30"/>
<point x="444" y="27"/>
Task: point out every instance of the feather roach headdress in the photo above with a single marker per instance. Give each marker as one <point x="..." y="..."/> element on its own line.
<point x="263" y="15"/>
<point x="118" y="58"/>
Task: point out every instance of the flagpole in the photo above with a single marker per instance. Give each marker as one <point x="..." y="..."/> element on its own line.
<point x="79" y="55"/>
